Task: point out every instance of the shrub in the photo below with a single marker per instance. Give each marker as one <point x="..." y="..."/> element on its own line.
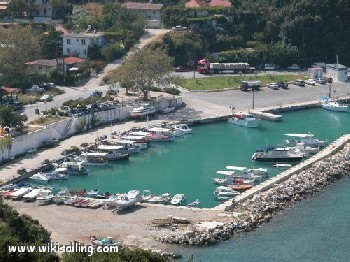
<point x="172" y="90"/>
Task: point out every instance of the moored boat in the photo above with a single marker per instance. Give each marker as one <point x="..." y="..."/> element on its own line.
<point x="143" y="110"/>
<point x="128" y="200"/>
<point x="225" y="191"/>
<point x="245" y="119"/>
<point x="334" y="105"/>
<point x="161" y="134"/>
<point x="277" y="154"/>
<point x="178" y="199"/>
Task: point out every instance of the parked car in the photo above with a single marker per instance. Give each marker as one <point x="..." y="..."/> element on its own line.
<point x="46" y="98"/>
<point x="273" y="86"/>
<point x="269" y="67"/>
<point x="97" y="93"/>
<point x="299" y="82"/>
<point x="311" y="81"/>
<point x="179" y="28"/>
<point x="320" y="81"/>
<point x="282" y="85"/>
<point x="293" y="67"/>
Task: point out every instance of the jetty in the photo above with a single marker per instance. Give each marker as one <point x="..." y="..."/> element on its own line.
<point x="266" y="115"/>
<point x="258" y="205"/>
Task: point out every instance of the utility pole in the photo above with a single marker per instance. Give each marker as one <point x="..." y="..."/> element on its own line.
<point x="253" y="98"/>
<point x="330" y="90"/>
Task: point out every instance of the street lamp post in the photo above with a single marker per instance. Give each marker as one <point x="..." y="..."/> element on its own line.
<point x="253" y="98"/>
<point x="330" y="90"/>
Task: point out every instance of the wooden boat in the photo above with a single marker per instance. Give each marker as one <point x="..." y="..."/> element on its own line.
<point x="241" y="187"/>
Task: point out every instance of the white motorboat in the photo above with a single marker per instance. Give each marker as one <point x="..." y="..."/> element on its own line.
<point x="178" y="199"/>
<point x="306" y="139"/>
<point x="282" y="166"/>
<point x="334" y="105"/>
<point x="183" y="128"/>
<point x="194" y="203"/>
<point x="40" y="177"/>
<point x="45" y="199"/>
<point x="255" y="171"/>
<point x="138" y="141"/>
<point x="117" y="152"/>
<point x="140" y="136"/>
<point x="245" y="119"/>
<point x="161" y="134"/>
<point x="32" y="195"/>
<point x="20" y="192"/>
<point x="93" y="159"/>
<point x="161" y="199"/>
<point x="128" y="200"/>
<point x="278" y="154"/>
<point x="143" y="110"/>
<point x="224" y="191"/>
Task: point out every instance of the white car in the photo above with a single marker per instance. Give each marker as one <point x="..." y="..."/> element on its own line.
<point x="311" y="81"/>
<point x="293" y="67"/>
<point x="46" y="98"/>
<point x="273" y="86"/>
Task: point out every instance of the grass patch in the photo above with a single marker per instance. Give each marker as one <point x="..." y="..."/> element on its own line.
<point x="46" y="120"/>
<point x="225" y="82"/>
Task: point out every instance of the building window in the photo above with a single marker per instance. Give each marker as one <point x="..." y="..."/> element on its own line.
<point x="84" y="52"/>
<point x="68" y="51"/>
<point x="68" y="41"/>
<point x="154" y="12"/>
<point x="83" y="41"/>
<point x="40" y="67"/>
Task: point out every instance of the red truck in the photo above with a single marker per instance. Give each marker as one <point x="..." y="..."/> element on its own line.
<point x="205" y="67"/>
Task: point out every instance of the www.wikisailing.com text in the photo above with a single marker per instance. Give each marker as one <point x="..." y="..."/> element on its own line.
<point x="57" y="248"/>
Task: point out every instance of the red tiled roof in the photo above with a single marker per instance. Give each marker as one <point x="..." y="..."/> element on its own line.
<point x="195" y="3"/>
<point x="220" y="3"/>
<point x="62" y="29"/>
<point x="73" y="60"/>
<point x="142" y="6"/>
<point x="10" y="90"/>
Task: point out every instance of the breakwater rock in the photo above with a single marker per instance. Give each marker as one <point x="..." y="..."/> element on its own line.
<point x="252" y="212"/>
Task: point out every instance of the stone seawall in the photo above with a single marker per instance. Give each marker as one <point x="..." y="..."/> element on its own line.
<point x="261" y="203"/>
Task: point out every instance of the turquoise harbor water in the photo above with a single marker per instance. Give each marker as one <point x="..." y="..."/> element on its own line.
<point x="189" y="164"/>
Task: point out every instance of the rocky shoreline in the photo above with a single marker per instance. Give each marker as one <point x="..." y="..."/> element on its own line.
<point x="252" y="212"/>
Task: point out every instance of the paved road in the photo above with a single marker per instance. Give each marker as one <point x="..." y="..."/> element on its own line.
<point x="87" y="88"/>
<point x="267" y="97"/>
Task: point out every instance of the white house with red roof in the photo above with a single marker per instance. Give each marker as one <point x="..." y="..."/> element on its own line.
<point x="151" y="12"/>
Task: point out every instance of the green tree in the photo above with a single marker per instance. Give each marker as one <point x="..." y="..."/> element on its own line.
<point x="144" y="68"/>
<point x="9" y="118"/>
<point x="18" y="45"/>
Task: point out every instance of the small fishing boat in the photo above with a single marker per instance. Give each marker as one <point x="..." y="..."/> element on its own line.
<point x="183" y="128"/>
<point x="143" y="110"/>
<point x="20" y="193"/>
<point x="40" y="177"/>
<point x="94" y="159"/>
<point x="282" y="166"/>
<point x="178" y="199"/>
<point x="194" y="203"/>
<point x="277" y="154"/>
<point x="241" y="187"/>
<point x="161" y="199"/>
<point x="128" y="200"/>
<point x="245" y="119"/>
<point x="225" y="191"/>
<point x="334" y="105"/>
<point x="32" y="195"/>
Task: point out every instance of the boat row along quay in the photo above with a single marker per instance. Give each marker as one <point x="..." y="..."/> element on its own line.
<point x="258" y="205"/>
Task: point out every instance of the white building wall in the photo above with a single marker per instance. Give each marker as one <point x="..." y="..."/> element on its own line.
<point x="78" y="45"/>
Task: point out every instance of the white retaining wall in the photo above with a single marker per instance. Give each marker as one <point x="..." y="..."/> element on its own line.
<point x="70" y="126"/>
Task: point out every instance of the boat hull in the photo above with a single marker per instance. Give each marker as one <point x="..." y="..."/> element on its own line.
<point x="338" y="108"/>
<point x="278" y="159"/>
<point x="245" y="123"/>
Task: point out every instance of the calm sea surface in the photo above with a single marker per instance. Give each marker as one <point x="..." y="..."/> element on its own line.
<point x="314" y="230"/>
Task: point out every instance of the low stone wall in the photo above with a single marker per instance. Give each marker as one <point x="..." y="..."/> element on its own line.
<point x="280" y="193"/>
